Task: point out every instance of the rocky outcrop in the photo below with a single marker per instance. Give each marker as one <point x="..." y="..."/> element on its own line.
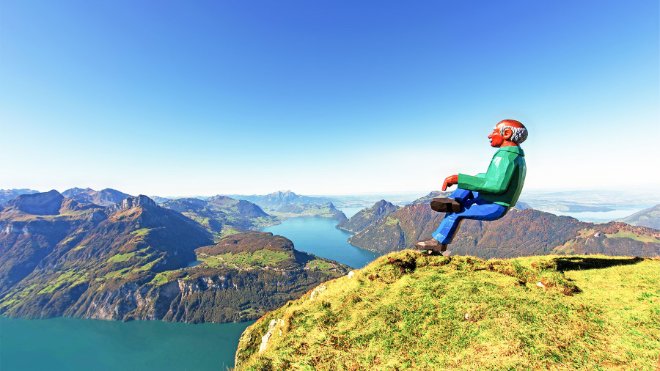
<point x="139" y="201"/>
<point x="366" y="217"/>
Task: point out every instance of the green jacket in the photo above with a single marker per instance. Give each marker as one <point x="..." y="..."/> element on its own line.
<point x="504" y="180"/>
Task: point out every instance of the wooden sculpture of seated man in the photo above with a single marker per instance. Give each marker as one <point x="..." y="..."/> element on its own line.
<point x="485" y="196"/>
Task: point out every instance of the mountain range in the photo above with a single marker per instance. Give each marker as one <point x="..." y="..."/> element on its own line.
<point x="104" y="197"/>
<point x="138" y="260"/>
<point x="368" y="216"/>
<point x="10" y="194"/>
<point x="518" y="233"/>
<point x="200" y="260"/>
<point x="287" y="204"/>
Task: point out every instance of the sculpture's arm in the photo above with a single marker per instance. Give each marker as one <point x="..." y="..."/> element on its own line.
<point x="495" y="181"/>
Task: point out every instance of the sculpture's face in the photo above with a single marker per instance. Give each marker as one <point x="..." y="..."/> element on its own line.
<point x="497" y="139"/>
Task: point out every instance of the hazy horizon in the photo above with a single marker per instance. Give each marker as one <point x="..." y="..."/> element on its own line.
<point x="648" y="193"/>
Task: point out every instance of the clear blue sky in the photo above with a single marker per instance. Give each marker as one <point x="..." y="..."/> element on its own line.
<point x="324" y="97"/>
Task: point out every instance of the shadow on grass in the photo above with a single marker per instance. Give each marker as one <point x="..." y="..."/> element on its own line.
<point x="577" y="263"/>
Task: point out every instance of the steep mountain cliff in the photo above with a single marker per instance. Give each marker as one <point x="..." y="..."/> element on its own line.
<point x="136" y="260"/>
<point x="33" y="226"/>
<point x="366" y="217"/>
<point x="409" y="310"/>
<point x="519" y="233"/>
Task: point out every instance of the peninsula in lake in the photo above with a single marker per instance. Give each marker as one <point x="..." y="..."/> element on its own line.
<point x="138" y="260"/>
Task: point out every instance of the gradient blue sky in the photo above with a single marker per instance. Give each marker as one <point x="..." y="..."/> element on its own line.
<point x="324" y="97"/>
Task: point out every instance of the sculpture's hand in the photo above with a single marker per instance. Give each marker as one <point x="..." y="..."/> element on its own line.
<point x="449" y="181"/>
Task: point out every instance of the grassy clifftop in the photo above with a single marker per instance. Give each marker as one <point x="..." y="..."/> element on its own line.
<point x="407" y="309"/>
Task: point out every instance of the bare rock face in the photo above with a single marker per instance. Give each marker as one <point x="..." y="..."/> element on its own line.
<point x="139" y="201"/>
<point x="366" y="217"/>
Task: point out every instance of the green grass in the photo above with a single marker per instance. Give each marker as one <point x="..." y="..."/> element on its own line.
<point x="68" y="240"/>
<point x="116" y="274"/>
<point x="228" y="231"/>
<point x="245" y="260"/>
<point x="141" y="256"/>
<point x="17" y="296"/>
<point x="631" y="235"/>
<point x="319" y="264"/>
<point x="410" y="310"/>
<point x="391" y="221"/>
<point x="143" y="262"/>
<point x="68" y="278"/>
<point x="163" y="277"/>
<point x="199" y="219"/>
<point x="120" y="258"/>
<point x="142" y="232"/>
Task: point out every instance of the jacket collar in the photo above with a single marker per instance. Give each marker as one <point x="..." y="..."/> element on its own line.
<point x="513" y="149"/>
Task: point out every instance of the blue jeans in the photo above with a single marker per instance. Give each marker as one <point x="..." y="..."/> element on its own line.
<point x="473" y="208"/>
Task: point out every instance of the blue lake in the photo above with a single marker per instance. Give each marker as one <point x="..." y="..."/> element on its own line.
<point x="320" y="237"/>
<point x="76" y="344"/>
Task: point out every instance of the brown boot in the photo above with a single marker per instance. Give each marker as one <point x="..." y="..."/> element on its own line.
<point x="445" y="205"/>
<point x="432" y="246"/>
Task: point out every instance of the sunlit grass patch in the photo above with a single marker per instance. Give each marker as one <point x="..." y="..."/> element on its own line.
<point x="410" y="310"/>
<point x="246" y="260"/>
<point x="633" y="236"/>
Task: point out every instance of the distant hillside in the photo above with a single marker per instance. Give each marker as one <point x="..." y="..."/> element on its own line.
<point x="280" y="199"/>
<point x="160" y="200"/>
<point x="10" y="194"/>
<point x="286" y="204"/>
<point x="646" y="218"/>
<point x="104" y="197"/>
<point x="136" y="260"/>
<point x="519" y="233"/>
<point x="408" y="310"/>
<point x="366" y="217"/>
<point x="222" y="215"/>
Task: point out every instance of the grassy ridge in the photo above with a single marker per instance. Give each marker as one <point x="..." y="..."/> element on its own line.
<point x="408" y="309"/>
